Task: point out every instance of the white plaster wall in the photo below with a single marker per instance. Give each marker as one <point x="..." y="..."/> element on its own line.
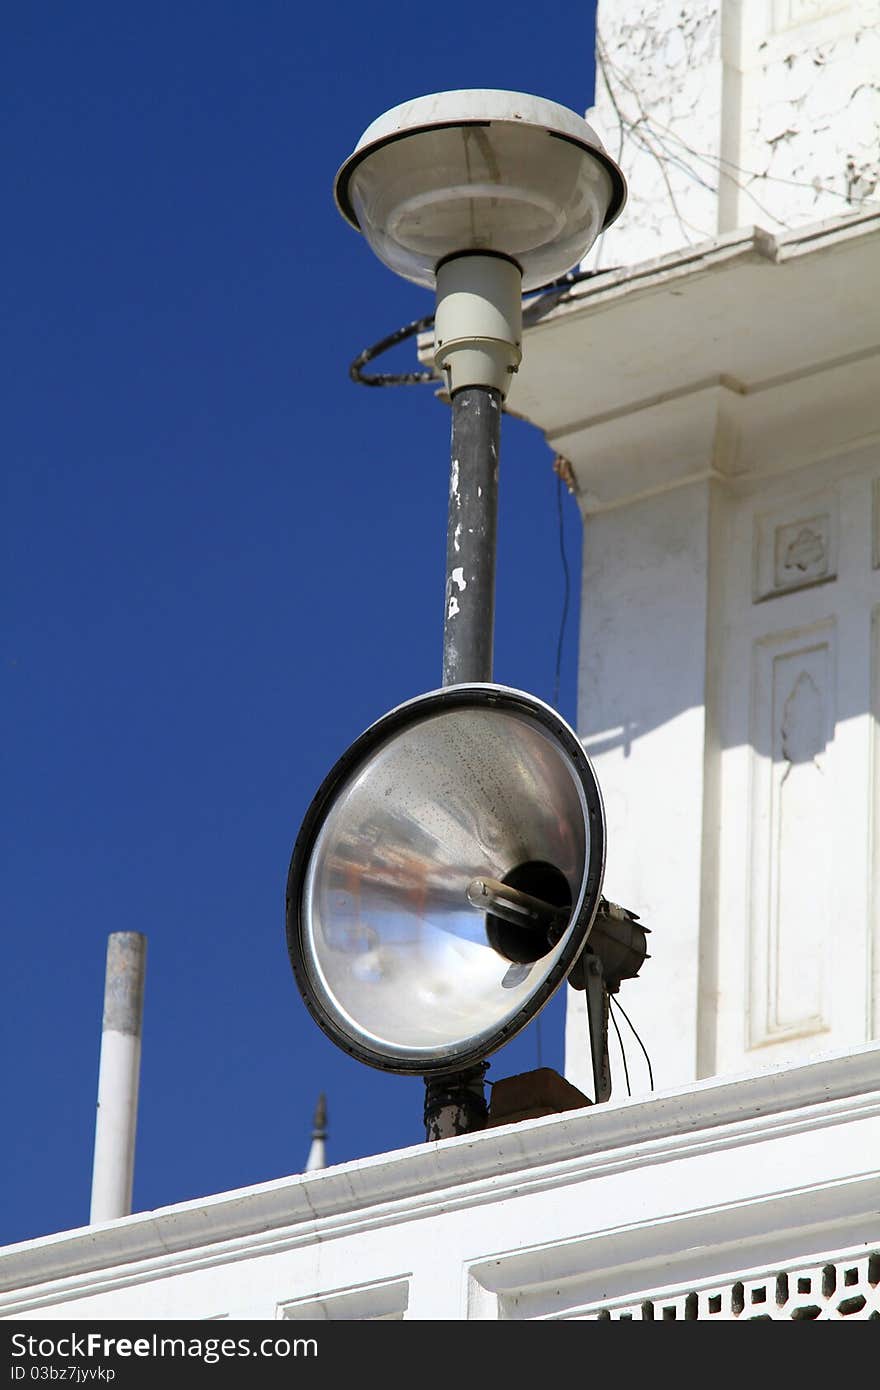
<point x="805" y="98"/>
<point x="658" y="99"/>
<point x="796" y="935"/>
<point x="729" y="702"/>
<point x="728" y="113"/>
<point x="703" y="664"/>
<point x="641" y="715"/>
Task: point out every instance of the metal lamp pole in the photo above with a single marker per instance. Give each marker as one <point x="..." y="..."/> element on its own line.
<point x="478" y="346"/>
<point x="471" y="535"/>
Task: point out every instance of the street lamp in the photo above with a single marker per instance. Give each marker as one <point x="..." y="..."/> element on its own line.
<point x="449" y="870"/>
<point x="480" y="171"/>
<point x="483" y="195"/>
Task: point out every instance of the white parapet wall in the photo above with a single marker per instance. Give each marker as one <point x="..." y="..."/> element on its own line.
<point x="750" y="1197"/>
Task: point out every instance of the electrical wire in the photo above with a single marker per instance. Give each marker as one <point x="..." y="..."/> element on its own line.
<point x="605" y="66"/>
<point x="619" y="1006"/>
<point x="622" y="1052"/>
<point x="558" y="464"/>
<point x="566" y="595"/>
<point x="557" y="288"/>
<point x="387" y="378"/>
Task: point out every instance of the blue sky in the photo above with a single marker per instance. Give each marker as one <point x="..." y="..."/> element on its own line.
<point x="222" y="559"/>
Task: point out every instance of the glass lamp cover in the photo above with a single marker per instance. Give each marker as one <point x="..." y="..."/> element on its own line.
<point x="510" y="174"/>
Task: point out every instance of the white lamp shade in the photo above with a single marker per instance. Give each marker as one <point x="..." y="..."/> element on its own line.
<point x="480" y="171"/>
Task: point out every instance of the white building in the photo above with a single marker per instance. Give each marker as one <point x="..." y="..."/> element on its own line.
<point x="715" y="390"/>
<point x="717" y="398"/>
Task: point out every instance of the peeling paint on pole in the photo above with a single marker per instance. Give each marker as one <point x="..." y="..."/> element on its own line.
<point x="469" y="610"/>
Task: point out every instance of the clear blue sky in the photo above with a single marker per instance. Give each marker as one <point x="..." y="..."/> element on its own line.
<point x="222" y="560"/>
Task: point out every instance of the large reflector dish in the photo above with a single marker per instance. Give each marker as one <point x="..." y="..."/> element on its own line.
<point x="465" y="785"/>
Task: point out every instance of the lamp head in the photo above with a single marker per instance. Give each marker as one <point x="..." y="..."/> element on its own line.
<point x="393" y="954"/>
<point x="480" y="171"/>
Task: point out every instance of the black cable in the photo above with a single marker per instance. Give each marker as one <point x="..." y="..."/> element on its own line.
<point x="400" y="335"/>
<point x="562" y="623"/>
<point x="389" y="378"/>
<point x="622" y="1053"/>
<point x="565" y="570"/>
<point x="636" y="1036"/>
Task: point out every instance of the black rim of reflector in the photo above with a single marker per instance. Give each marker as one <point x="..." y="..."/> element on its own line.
<point x="406" y="716"/>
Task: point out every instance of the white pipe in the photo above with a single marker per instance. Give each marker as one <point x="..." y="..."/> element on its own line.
<point x="118" y="1077"/>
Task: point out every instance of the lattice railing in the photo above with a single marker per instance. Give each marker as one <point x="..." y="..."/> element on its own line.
<point x="843" y="1288"/>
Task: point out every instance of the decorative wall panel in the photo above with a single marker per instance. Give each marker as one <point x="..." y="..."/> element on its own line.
<point x="791" y="888"/>
<point x="795" y="548"/>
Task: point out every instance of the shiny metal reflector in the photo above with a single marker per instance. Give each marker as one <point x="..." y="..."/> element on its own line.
<point x="445" y="878"/>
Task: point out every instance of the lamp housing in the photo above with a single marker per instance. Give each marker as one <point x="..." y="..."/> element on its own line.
<point x="485" y="171"/>
<point x="393" y="959"/>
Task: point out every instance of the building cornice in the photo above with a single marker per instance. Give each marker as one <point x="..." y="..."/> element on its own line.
<point x="453" y="1174"/>
<point x="746" y="355"/>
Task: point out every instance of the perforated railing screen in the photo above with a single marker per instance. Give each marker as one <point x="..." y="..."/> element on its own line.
<point x="843" y="1288"/>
